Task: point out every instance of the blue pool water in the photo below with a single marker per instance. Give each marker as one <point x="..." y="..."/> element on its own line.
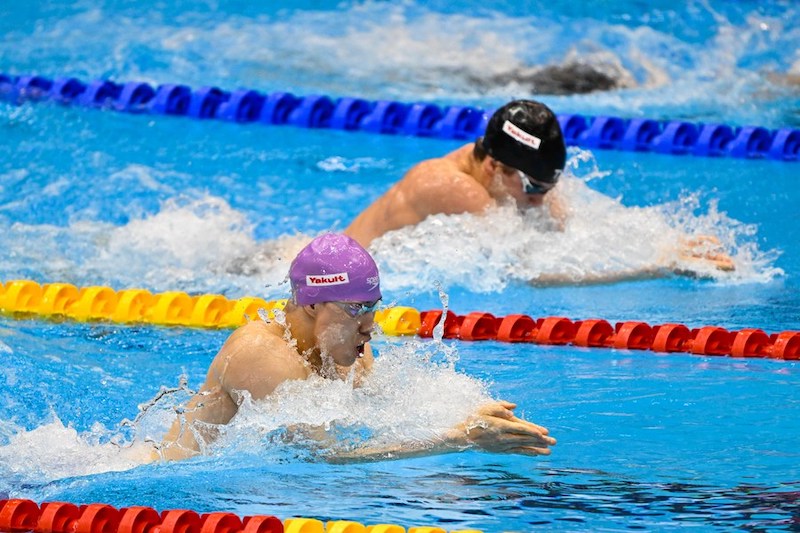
<point x="646" y="441"/>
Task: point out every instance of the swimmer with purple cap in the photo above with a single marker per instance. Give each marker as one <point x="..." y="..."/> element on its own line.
<point x="326" y="331"/>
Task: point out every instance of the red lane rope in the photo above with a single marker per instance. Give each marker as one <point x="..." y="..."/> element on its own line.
<point x="18" y="515"/>
<point x="22" y="516"/>
<point x="598" y="333"/>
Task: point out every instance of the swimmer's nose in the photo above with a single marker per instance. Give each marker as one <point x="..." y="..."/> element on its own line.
<point x="367" y="326"/>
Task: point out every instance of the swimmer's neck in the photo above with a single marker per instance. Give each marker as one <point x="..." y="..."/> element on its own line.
<point x="469" y="164"/>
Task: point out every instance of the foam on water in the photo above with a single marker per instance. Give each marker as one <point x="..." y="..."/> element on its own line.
<point x="54" y="451"/>
<point x="196" y="245"/>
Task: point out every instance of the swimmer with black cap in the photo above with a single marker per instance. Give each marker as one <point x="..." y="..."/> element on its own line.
<point x="525" y="138"/>
<point x="520" y="157"/>
<point x="327" y="326"/>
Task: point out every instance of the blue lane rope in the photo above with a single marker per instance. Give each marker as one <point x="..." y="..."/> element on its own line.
<point x="388" y="117"/>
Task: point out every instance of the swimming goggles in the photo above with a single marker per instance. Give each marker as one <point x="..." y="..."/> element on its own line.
<point x="356" y="309"/>
<point x="531" y="186"/>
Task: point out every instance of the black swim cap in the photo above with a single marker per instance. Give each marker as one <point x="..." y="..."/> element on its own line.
<point x="525" y="135"/>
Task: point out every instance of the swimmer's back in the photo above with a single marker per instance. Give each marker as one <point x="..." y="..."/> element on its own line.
<point x="439" y="185"/>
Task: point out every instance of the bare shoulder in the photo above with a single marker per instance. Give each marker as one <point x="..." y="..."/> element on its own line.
<point x="444" y="185"/>
<point x="247" y="342"/>
<point x="445" y="170"/>
<point x="257" y="358"/>
<point x="255" y="333"/>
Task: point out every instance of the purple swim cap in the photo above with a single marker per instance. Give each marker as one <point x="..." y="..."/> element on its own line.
<point x="334" y="268"/>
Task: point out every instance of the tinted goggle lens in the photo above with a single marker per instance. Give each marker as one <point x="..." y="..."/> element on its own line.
<point x="356" y="309"/>
<point x="531" y="186"/>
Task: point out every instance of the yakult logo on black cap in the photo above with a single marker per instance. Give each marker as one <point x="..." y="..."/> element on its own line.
<point x="522" y="136"/>
<point x="326" y="280"/>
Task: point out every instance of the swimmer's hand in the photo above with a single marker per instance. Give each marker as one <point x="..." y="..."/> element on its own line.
<point x="706" y="249"/>
<point x="494" y="428"/>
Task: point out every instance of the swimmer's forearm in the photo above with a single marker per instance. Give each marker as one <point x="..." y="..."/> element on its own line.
<point x="453" y="441"/>
<point x="596" y="278"/>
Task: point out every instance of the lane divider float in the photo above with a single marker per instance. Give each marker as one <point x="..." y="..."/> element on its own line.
<point x="21" y="516"/>
<point x="171" y="308"/>
<point x="389" y="117"/>
<point x="174" y="308"/>
<point x="599" y="333"/>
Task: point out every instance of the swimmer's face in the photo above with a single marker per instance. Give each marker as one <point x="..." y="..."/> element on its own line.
<point x="526" y="190"/>
<point x="343" y="328"/>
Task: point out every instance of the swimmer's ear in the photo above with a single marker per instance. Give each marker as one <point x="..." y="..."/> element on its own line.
<point x="311" y="310"/>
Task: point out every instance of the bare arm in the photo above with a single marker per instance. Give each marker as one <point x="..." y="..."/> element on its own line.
<point x="492" y="428"/>
<point x="257" y="363"/>
<point x="694" y="257"/>
<point x="440" y="187"/>
<point x="596" y="278"/>
<point x="430" y="187"/>
<point x="255" y="360"/>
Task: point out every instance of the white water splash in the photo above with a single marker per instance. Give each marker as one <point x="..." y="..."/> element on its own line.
<point x="54" y="451"/>
<point x="192" y="244"/>
<point x="182" y="238"/>
<point x="200" y="245"/>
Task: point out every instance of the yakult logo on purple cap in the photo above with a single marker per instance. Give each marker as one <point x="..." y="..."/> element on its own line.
<point x="326" y="280"/>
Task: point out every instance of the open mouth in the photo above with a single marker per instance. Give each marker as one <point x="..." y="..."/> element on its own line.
<point x="360" y="349"/>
